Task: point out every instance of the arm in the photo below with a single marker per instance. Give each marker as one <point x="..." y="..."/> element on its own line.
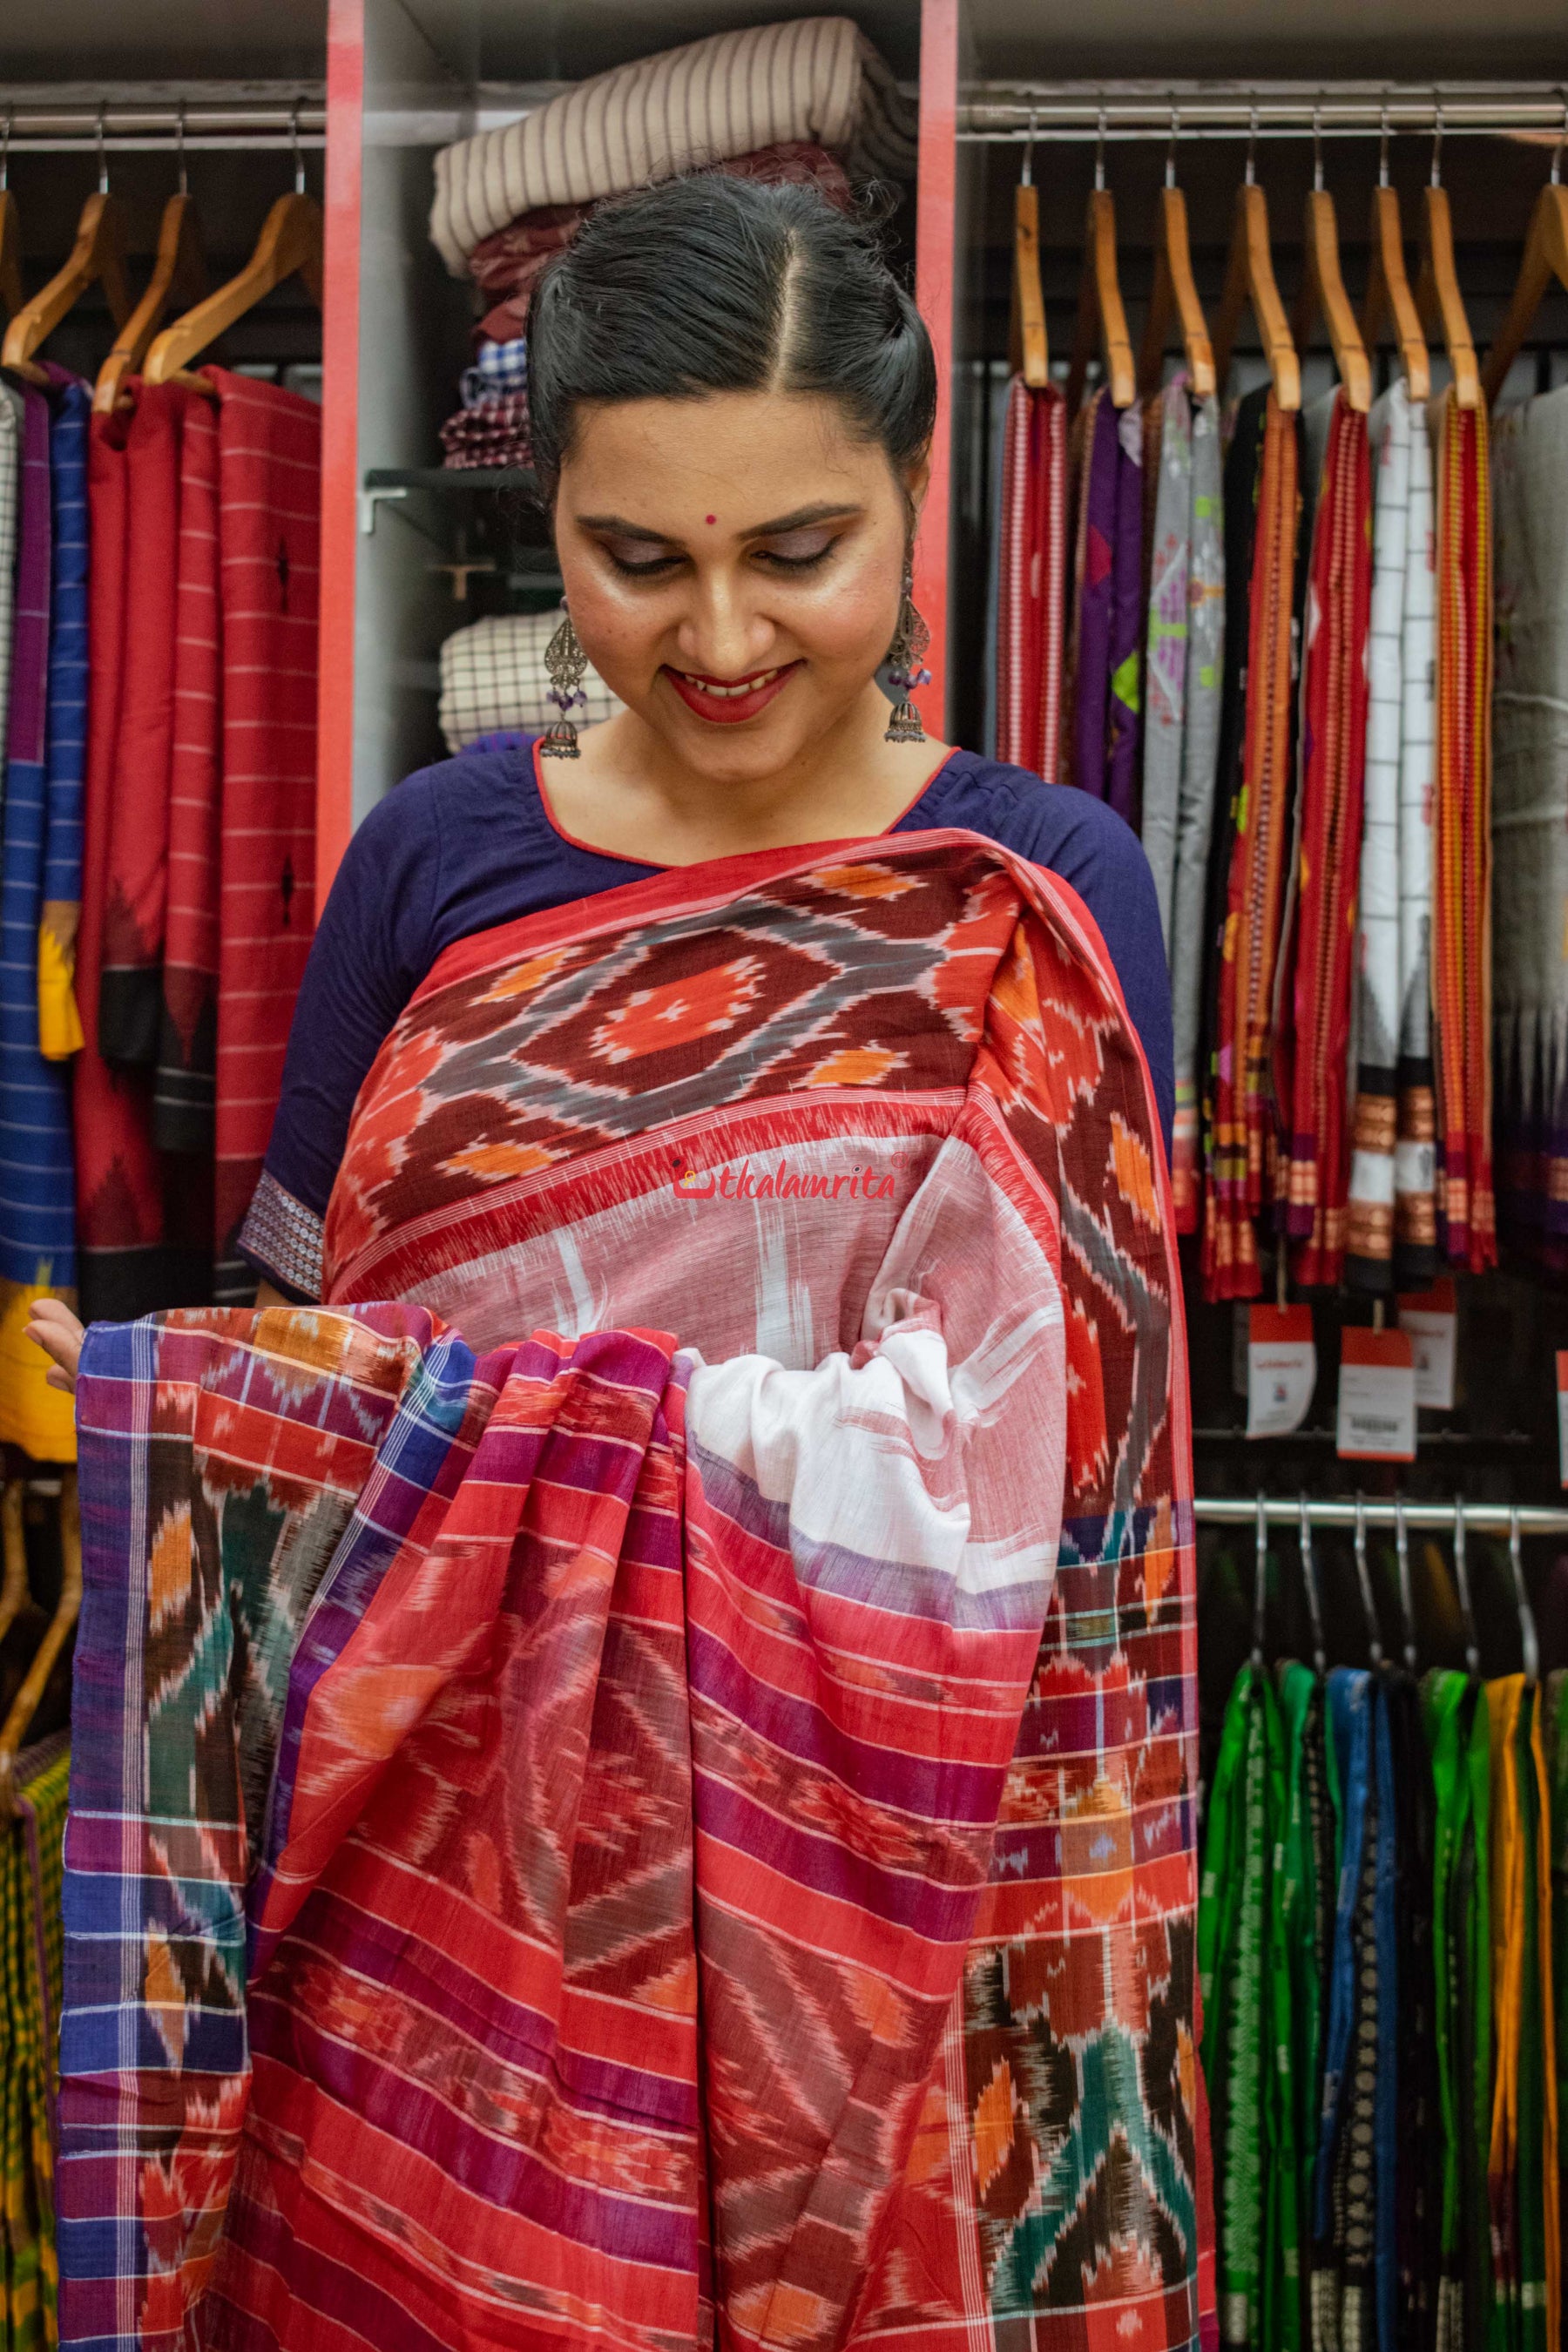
<point x="59" y="1333"/>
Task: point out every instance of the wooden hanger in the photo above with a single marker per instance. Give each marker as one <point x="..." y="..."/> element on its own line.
<point x="179" y="274"/>
<point x="97" y="257"/>
<point x="1438" y="300"/>
<point x="1250" y="280"/>
<point x="1029" y="351"/>
<point x="1388" y="291"/>
<point x="13" y="1586"/>
<point x="290" y="245"/>
<point x="1545" y="257"/>
<point x="1176" y="289"/>
<point x="1323" y="288"/>
<point x="1101" y="316"/>
<point x="25" y="1706"/>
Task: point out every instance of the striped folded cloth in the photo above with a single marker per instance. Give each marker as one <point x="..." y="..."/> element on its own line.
<point x="498" y="369"/>
<point x="493" y="679"/>
<point x="496" y="431"/>
<point x="819" y="78"/>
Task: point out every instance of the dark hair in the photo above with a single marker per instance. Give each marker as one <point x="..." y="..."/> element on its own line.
<point x="714" y="284"/>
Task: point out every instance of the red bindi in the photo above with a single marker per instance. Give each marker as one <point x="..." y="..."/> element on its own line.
<point x="713" y="518"/>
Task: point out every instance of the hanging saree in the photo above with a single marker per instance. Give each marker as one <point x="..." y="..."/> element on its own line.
<point x="1523" y="2169"/>
<point x="1030" y="587"/>
<point x="1124" y="722"/>
<point x="11" y="414"/>
<point x="30" y="1867"/>
<point x="710" y="1900"/>
<point x="1168" y="456"/>
<point x="37" y="1225"/>
<point x="1413" y="2117"/>
<point x="1415" y="1151"/>
<point x="1239" y="1117"/>
<point x="1308" y="1874"/>
<point x="1096" y="457"/>
<point x="1462" y="850"/>
<point x="1529" y="823"/>
<point x="1195" y="804"/>
<point x="1342" y="2254"/>
<point x="269" y="448"/>
<point x="1449" y="1708"/>
<point x="1555" y="1744"/>
<point x="1313" y="1027"/>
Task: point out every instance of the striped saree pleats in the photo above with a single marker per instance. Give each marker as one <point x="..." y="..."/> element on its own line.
<point x="1239" y="1115"/>
<point x="1030" y="593"/>
<point x="1461" y="863"/>
<point x="1319" y="955"/>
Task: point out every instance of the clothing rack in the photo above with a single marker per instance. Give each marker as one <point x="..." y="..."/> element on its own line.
<point x="1478" y="1519"/>
<point x="161" y="117"/>
<point x="1082" y="112"/>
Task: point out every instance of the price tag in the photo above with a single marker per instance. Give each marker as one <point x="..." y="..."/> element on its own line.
<point x="1377" y="1397"/>
<point x="1431" y="1318"/>
<point x="1562" y="1414"/>
<point x="1281" y="1370"/>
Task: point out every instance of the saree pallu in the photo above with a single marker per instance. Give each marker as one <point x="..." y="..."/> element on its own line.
<point x="37" y="1225"/>
<point x="1462" y="846"/>
<point x="1195" y="802"/>
<point x="1239" y="1117"/>
<point x="183" y="1099"/>
<point x="631" y="1780"/>
<point x="1369" y="1223"/>
<point x="1318" y="947"/>
<point x="269" y="450"/>
<point x="1530" y="824"/>
<point x="1029" y="588"/>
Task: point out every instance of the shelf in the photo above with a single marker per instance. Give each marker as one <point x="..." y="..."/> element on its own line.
<point x="450" y="479"/>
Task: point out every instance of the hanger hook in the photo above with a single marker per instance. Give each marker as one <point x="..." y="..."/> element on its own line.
<point x="1401" y="1555"/>
<point x="1363" y="1578"/>
<point x="1027" y="177"/>
<point x="1462" y="1580"/>
<point x="1436" y="141"/>
<point x="1171" y="150"/>
<point x="180" y="147"/>
<point x="1252" y="143"/>
<point x="102" y="151"/>
<point x="1099" y="151"/>
<point x="1383" y="144"/>
<point x="1318" y="142"/>
<point x="294" y="143"/>
<point x="1310" y="1579"/>
<point x="1530" y="1651"/>
<point x="1259" y="1577"/>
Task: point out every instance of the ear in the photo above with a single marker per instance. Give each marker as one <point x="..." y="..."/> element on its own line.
<point x="917" y="481"/>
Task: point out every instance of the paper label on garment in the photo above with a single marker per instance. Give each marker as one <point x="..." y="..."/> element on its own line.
<point x="1281" y="1370"/>
<point x="1431" y="1318"/>
<point x="1377" y="1397"/>
<point x="1562" y="1415"/>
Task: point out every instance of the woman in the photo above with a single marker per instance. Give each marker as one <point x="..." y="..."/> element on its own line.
<point x="754" y="1022"/>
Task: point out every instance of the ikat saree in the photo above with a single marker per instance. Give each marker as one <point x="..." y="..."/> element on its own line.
<point x="1029" y="585"/>
<point x="583" y="1843"/>
<point x="1313" y="1025"/>
<point x="31" y="1956"/>
<point x="1529" y="823"/>
<point x="1461" y="842"/>
<point x="1238" y="1126"/>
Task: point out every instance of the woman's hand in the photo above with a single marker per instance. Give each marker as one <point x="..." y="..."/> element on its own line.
<point x="54" y="1329"/>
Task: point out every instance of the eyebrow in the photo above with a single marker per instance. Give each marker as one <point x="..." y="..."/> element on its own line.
<point x="802" y="519"/>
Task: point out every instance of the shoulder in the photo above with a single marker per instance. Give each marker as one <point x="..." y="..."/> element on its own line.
<point x="471" y="787"/>
<point x="1053" y="826"/>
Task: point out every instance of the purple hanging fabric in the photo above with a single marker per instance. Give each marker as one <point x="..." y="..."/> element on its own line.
<point x="1096" y="553"/>
<point x="1125" y="659"/>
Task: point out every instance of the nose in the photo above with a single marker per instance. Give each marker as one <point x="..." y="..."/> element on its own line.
<point x="724" y="633"/>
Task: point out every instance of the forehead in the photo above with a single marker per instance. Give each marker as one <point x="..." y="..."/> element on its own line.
<point x="743" y="455"/>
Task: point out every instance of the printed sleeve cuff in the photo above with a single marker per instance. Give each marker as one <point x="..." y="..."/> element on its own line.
<point x="282" y="1239"/>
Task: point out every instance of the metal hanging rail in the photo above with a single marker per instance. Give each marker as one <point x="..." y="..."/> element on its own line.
<point x="130" y="118"/>
<point x="1085" y="112"/>
<point x="1479" y="1519"/>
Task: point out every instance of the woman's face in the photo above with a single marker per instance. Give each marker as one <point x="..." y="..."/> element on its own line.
<point x="733" y="566"/>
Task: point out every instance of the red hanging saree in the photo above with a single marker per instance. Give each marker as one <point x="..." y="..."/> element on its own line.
<point x="583" y="1843"/>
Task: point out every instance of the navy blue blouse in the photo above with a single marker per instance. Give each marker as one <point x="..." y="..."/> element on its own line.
<point x="470" y="844"/>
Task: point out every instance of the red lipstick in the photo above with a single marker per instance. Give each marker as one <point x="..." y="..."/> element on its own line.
<point x="725" y="701"/>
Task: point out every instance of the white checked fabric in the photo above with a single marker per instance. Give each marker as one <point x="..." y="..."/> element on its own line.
<point x="493" y="677"/>
<point x="817" y="79"/>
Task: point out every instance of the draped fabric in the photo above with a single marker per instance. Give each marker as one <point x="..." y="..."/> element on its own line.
<point x="1195" y="804"/>
<point x="1238" y="1116"/>
<point x="1529" y="823"/>
<point x="1462" y="849"/>
<point x="1096" y="462"/>
<point x="630" y="1787"/>
<point x="1318" y="954"/>
<point x="1415" y="1152"/>
<point x="1165" y="656"/>
<point x="183" y="1088"/>
<point x="269" y="448"/>
<point x="37" y="1225"/>
<point x="1029" y="585"/>
<point x="1125" y="700"/>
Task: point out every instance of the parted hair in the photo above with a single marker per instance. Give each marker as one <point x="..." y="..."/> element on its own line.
<point x="713" y="284"/>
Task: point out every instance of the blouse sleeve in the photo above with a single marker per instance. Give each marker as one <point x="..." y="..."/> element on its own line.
<point x="371" y="948"/>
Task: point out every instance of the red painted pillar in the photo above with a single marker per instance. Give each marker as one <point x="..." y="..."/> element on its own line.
<point x="935" y="276"/>
<point x="340" y="440"/>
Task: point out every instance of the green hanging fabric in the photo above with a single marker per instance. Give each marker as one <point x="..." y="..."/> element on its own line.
<point x="1530" y="2165"/>
<point x="1308" y="1865"/>
<point x="1447" y="1708"/>
<point x="1279" y="2316"/>
<point x="1486" y="2312"/>
<point x="1555" y="1731"/>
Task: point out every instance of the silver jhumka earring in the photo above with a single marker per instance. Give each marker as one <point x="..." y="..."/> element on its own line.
<point x="567" y="664"/>
<point x="909" y="643"/>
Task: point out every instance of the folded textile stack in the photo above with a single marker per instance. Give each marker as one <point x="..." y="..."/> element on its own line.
<point x="493" y="680"/>
<point x="491" y="426"/>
